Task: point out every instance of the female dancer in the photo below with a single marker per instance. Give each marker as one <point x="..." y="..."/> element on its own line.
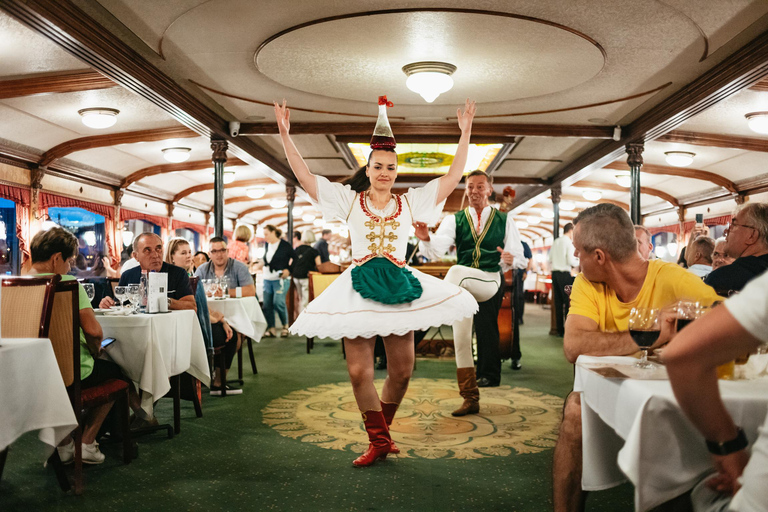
<point x="378" y="294"/>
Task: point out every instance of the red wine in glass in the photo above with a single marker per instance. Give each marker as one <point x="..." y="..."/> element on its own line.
<point x="682" y="322"/>
<point x="381" y="142"/>
<point x="644" y="339"/>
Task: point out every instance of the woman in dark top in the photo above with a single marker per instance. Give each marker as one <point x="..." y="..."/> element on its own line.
<point x="277" y="264"/>
<point x="307" y="260"/>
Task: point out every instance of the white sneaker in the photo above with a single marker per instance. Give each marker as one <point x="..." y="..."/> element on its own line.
<point x="92" y="454"/>
<point x="216" y="391"/>
<point x="67" y="452"/>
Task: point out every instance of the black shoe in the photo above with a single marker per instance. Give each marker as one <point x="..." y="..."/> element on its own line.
<point x="516" y="364"/>
<point x="483" y="382"/>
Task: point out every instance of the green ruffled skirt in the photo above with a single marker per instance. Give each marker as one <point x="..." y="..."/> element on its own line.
<point x="381" y="280"/>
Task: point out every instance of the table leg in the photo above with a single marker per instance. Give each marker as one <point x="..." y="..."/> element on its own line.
<point x="176" y="390"/>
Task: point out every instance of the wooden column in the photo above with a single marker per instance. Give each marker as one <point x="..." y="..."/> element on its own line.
<point x="556" y="193"/>
<point x="219" y="148"/>
<point x="290" y="196"/>
<point x="206" y="235"/>
<point x="118" y="231"/>
<point x="635" y="162"/>
<point x="171" y="207"/>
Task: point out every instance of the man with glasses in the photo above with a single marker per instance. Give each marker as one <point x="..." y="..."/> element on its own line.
<point x="222" y="265"/>
<point x="746" y="240"/>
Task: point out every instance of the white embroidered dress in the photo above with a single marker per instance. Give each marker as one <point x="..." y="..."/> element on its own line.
<point x="340" y="311"/>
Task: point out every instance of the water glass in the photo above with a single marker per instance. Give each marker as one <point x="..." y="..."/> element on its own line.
<point x="90" y="291"/>
<point x="121" y="292"/>
<point x="134" y="295"/>
<point x="224" y="286"/>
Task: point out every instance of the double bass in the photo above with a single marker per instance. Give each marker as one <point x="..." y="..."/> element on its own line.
<point x="508" y="327"/>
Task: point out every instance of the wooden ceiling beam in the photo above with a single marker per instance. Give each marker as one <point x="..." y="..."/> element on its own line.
<point x="695" y="174"/>
<point x="244" y="199"/>
<point x="618" y="188"/>
<point x="716" y="140"/>
<point x="197" y="165"/>
<point x="113" y="139"/>
<point x="567" y="197"/>
<point x="67" y="81"/>
<point x="209" y="186"/>
<point x="761" y="86"/>
<point x="362" y="131"/>
<point x="424" y="178"/>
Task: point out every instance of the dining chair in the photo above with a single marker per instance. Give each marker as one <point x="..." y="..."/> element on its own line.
<point x="318" y="282"/>
<point x="64" y="334"/>
<point x="27" y="302"/>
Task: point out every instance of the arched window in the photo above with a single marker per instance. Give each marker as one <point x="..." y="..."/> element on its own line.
<point x="190" y="236"/>
<point x="88" y="227"/>
<point x="9" y="244"/>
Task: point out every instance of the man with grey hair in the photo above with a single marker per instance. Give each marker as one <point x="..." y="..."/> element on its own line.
<point x="644" y="243"/>
<point x="719" y="256"/>
<point x="615" y="278"/>
<point x="699" y="257"/>
<point x="746" y="240"/>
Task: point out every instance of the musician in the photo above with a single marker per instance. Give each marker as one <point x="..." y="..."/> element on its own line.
<point x="487" y="243"/>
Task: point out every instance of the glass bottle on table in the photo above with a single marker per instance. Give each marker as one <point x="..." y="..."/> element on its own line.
<point x="143" y="290"/>
<point x="644" y="328"/>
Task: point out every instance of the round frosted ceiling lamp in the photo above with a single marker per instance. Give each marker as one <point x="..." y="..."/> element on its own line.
<point x="592" y="195"/>
<point x="278" y="203"/>
<point x="308" y="217"/>
<point x="99" y="117"/>
<point x="229" y="176"/>
<point x="680" y="158"/>
<point x="255" y="192"/>
<point x="521" y="224"/>
<point x="533" y="220"/>
<point x="548" y="214"/>
<point x="758" y="122"/>
<point x="298" y="211"/>
<point x="318" y="223"/>
<point x="567" y="206"/>
<point x="429" y="79"/>
<point x="624" y="180"/>
<point x="176" y="155"/>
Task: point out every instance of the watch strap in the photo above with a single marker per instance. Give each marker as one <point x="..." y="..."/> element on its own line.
<point x="727" y="447"/>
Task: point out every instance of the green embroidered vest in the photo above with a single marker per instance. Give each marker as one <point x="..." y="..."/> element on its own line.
<point x="478" y="250"/>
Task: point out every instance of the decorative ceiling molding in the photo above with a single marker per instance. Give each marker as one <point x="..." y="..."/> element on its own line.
<point x="400" y="130"/>
<point x="70" y="27"/>
<point x="696" y="174"/>
<point x="113" y="139"/>
<point x="209" y="186"/>
<point x="567" y="197"/>
<point x="68" y="81"/>
<point x="599" y="185"/>
<point x="716" y="140"/>
<point x="154" y="170"/>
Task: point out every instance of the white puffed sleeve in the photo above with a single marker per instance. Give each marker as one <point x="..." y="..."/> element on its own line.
<point x="422" y="202"/>
<point x="334" y="200"/>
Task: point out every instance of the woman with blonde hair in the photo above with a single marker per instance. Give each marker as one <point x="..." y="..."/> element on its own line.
<point x="238" y="248"/>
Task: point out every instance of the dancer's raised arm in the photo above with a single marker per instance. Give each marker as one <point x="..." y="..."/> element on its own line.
<point x="298" y="166"/>
<point x="452" y="178"/>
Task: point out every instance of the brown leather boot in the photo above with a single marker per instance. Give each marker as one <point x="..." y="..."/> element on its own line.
<point x="469" y="391"/>
<point x="388" y="410"/>
<point x="378" y="435"/>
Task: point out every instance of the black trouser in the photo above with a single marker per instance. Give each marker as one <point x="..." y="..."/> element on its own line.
<point x="519" y="294"/>
<point x="220" y="338"/>
<point x="562" y="301"/>
<point x="487" y="331"/>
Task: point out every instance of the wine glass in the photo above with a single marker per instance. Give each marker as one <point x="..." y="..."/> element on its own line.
<point x="644" y="327"/>
<point x="207" y="283"/>
<point x="224" y="286"/>
<point x="90" y="291"/>
<point x="686" y="311"/>
<point x="134" y="295"/>
<point x="120" y="293"/>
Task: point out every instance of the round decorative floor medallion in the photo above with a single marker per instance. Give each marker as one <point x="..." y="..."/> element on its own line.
<point x="511" y="420"/>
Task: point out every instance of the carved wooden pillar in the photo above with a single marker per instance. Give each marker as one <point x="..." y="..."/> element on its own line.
<point x="118" y="234"/>
<point x="206" y="235"/>
<point x="36" y="184"/>
<point x="290" y="196"/>
<point x="635" y="162"/>
<point x="219" y="148"/>
<point x="171" y="207"/>
<point x="556" y="193"/>
<point x="740" y="199"/>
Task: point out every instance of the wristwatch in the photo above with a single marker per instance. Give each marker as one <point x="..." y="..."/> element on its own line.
<point x="728" y="447"/>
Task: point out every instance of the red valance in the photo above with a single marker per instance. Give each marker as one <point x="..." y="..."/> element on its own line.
<point x="15" y="194"/>
<point x="179" y="224"/>
<point x="54" y="201"/>
<point x="672" y="228"/>
<point x="722" y="220"/>
<point x="154" y="219"/>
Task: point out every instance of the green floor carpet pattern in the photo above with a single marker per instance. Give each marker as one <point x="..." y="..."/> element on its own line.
<point x="287" y="443"/>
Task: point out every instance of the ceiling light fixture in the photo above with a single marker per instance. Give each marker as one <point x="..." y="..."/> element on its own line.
<point x="533" y="220"/>
<point x="758" y="122"/>
<point x="592" y="195"/>
<point x="679" y="158"/>
<point x="521" y="224"/>
<point x="298" y="211"/>
<point x="548" y="214"/>
<point x="229" y="176"/>
<point x="176" y="155"/>
<point x="624" y="180"/>
<point x="255" y="192"/>
<point x="99" y="117"/>
<point x="278" y="203"/>
<point x="308" y="217"/>
<point x="429" y="79"/>
<point x="567" y="206"/>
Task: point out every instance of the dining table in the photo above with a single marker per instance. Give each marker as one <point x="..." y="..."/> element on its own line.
<point x="33" y="394"/>
<point x="242" y="313"/>
<point x="634" y="430"/>
<point x="151" y="348"/>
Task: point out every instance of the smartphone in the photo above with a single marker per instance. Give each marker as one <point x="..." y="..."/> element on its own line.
<point x="107" y="342"/>
<point x="699" y="218"/>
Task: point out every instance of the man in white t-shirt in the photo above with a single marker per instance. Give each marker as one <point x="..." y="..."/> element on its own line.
<point x="727" y="332"/>
<point x="562" y="259"/>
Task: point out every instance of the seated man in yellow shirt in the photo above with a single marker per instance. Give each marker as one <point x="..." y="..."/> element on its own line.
<point x="615" y="278"/>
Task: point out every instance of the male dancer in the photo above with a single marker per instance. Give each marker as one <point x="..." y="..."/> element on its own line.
<point x="487" y="242"/>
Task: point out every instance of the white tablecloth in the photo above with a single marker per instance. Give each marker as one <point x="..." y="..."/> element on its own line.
<point x="635" y="430"/>
<point x="244" y="315"/>
<point x="32" y="393"/>
<point x="152" y="348"/>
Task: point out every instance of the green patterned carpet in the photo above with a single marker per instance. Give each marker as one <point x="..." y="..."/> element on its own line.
<point x="287" y="444"/>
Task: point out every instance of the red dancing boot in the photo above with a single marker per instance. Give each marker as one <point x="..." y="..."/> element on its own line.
<point x="378" y="435"/>
<point x="388" y="410"/>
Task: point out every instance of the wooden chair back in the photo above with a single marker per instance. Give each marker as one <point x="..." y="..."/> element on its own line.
<point x="27" y="302"/>
<point x="65" y="331"/>
<point x="319" y="282"/>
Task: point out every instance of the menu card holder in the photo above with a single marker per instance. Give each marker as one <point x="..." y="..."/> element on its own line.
<point x="158" y="290"/>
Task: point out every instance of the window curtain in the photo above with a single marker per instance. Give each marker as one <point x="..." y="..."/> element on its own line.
<point x="21" y="197"/>
<point x="154" y="219"/>
<point x="672" y="228"/>
<point x="178" y="224"/>
<point x="53" y="201"/>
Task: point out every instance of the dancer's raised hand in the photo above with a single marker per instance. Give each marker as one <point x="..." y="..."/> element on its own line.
<point x="283" y="116"/>
<point x="466" y="117"/>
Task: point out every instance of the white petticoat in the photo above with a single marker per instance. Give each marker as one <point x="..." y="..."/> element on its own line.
<point x="341" y="312"/>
